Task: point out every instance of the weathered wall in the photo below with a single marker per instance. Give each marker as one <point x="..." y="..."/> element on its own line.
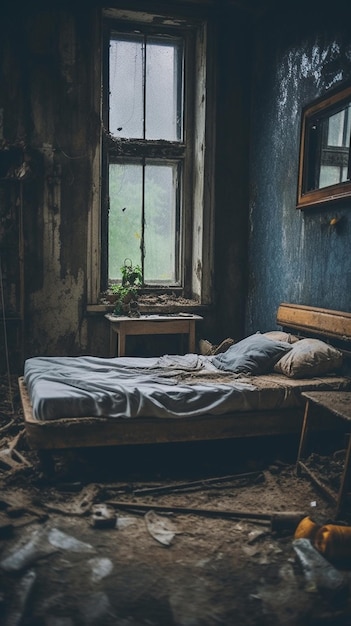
<point x="48" y="98"/>
<point x="295" y="256"/>
<point x="233" y="115"/>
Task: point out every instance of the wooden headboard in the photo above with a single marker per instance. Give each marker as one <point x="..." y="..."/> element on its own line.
<point x="324" y="323"/>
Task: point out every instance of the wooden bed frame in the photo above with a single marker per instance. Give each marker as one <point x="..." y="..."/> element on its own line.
<point x="96" y="431"/>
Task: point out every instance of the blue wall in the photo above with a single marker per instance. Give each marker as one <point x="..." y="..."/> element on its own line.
<point x="294" y="256"/>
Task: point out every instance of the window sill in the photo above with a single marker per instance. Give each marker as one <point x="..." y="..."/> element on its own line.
<point x="164" y="308"/>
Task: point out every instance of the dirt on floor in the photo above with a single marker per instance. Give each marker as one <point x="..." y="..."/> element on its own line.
<point x="175" y="534"/>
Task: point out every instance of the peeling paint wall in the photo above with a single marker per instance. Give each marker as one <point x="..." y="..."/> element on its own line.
<point x="46" y="98"/>
<point x="294" y="255"/>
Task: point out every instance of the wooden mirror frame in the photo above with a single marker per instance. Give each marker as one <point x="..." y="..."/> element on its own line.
<point x="314" y="113"/>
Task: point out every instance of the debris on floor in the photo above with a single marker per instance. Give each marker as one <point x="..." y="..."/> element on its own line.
<point x="319" y="573"/>
<point x="103" y="516"/>
<point x="161" y="528"/>
<point x="185" y="537"/>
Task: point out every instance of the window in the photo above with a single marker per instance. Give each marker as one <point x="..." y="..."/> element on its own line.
<point x="147" y="166"/>
<point x="325" y="159"/>
<point x="150" y="202"/>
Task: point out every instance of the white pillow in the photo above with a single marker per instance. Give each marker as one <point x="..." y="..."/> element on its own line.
<point x="308" y="358"/>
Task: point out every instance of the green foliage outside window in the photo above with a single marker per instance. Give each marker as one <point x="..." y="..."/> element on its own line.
<point x="125" y="227"/>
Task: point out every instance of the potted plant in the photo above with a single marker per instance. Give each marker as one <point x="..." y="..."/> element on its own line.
<point x="126" y="292"/>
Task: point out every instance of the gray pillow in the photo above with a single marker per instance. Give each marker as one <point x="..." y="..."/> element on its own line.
<point x="308" y="358"/>
<point x="256" y="354"/>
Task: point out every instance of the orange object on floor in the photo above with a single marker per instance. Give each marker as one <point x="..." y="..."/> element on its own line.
<point x="307" y="529"/>
<point x="334" y="542"/>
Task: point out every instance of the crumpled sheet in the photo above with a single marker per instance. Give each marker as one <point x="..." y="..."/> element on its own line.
<point x="171" y="386"/>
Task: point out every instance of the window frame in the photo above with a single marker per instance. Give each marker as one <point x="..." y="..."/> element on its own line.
<point x="314" y="114"/>
<point x="197" y="252"/>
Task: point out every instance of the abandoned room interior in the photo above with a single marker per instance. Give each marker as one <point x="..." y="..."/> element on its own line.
<point x="175" y="282"/>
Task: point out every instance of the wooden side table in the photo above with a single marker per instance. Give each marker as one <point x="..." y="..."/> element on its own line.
<point x="338" y="404"/>
<point x="121" y="326"/>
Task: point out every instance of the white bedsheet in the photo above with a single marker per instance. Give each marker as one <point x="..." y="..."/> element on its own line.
<point x="169" y="386"/>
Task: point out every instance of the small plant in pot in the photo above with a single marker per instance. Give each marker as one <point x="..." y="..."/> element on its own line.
<point x="127" y="292"/>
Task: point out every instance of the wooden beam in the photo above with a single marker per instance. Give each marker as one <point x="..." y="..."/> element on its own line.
<point x="319" y="321"/>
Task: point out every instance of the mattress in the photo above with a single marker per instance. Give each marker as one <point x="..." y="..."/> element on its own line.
<point x="171" y="386"/>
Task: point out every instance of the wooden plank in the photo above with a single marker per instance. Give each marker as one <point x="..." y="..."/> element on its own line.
<point x="319" y="321"/>
<point x="337" y="402"/>
<point x="92" y="432"/>
<point x="151" y="318"/>
<point x="152" y="327"/>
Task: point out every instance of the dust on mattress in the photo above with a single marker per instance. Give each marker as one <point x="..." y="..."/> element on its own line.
<point x="162" y="387"/>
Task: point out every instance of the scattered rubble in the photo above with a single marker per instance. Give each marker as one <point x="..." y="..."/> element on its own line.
<point x="147" y="546"/>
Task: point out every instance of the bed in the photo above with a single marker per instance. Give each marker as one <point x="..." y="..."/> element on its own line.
<point x="74" y="402"/>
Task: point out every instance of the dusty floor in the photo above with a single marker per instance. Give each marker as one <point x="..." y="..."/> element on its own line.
<point x="65" y="560"/>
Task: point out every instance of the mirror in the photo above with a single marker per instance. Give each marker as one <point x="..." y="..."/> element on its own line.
<point x="325" y="151"/>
